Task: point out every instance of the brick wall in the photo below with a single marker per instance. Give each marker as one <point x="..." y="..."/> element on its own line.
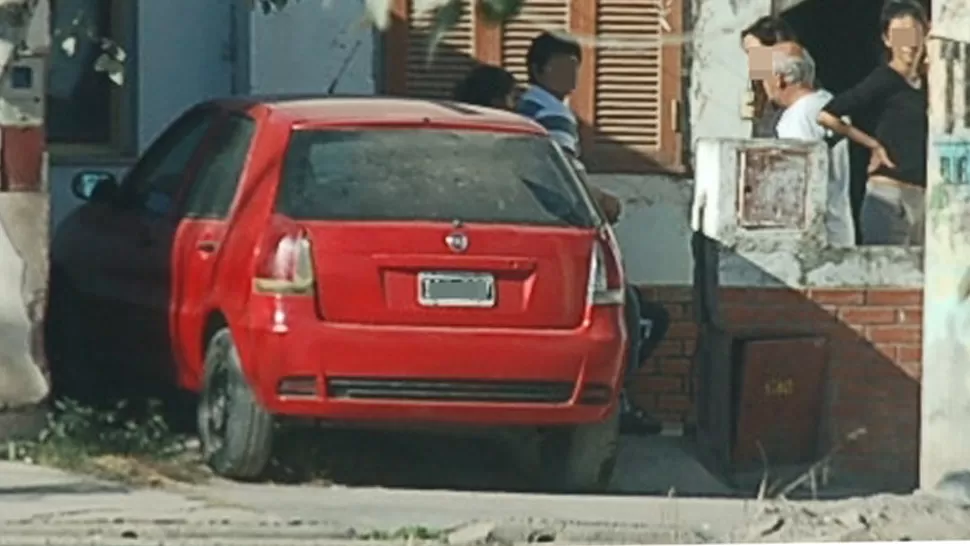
<point x="664" y="387"/>
<point x="872" y="371"/>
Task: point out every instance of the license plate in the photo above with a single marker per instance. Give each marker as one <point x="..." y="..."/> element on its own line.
<point x="456" y="289"/>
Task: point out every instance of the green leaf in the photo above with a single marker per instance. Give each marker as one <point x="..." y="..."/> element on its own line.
<point x="500" y="11"/>
<point x="445" y="18"/>
<point x="379" y="12"/>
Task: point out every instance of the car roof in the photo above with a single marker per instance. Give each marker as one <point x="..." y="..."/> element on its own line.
<point x="304" y="110"/>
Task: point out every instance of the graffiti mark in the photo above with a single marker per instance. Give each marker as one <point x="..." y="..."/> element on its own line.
<point x="954" y="157"/>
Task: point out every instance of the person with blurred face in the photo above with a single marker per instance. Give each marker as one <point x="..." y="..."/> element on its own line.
<point x="489" y="86"/>
<point x="893" y="207"/>
<point x="553" y="63"/>
<point x="791" y="87"/>
<point x="757" y="41"/>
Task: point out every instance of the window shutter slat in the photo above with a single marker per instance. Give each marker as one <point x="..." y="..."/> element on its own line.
<point x="628" y="81"/>
<point x="452" y="59"/>
<point x="536" y="16"/>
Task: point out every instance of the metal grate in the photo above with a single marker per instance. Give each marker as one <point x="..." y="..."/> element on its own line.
<point x="360" y="388"/>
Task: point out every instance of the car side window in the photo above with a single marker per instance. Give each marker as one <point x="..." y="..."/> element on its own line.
<point x="154" y="183"/>
<point x="214" y="188"/>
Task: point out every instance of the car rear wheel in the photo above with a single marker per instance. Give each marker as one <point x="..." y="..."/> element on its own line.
<point x="581" y="458"/>
<point x="235" y="431"/>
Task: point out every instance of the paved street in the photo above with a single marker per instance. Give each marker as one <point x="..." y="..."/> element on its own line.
<point x="43" y="506"/>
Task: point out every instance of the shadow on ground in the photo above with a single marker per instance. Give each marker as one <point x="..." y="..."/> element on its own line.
<point x="652" y="465"/>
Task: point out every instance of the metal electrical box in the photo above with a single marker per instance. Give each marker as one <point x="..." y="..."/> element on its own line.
<point x="779" y="406"/>
<point x="22" y="93"/>
<point x="773" y="188"/>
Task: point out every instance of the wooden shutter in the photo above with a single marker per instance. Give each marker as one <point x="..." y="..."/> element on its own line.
<point x="536" y="16"/>
<point x="407" y="70"/>
<point x="635" y="97"/>
<point x="628" y="100"/>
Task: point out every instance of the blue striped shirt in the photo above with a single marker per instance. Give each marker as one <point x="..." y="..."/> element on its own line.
<point x="552" y="114"/>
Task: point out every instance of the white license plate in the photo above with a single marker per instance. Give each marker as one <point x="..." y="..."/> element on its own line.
<point x="456" y="289"/>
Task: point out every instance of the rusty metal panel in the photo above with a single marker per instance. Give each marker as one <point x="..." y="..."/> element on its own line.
<point x="22" y="159"/>
<point x="780" y="402"/>
<point x="773" y="188"/>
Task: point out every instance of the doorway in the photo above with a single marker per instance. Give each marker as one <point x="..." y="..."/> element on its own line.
<point x="844" y="38"/>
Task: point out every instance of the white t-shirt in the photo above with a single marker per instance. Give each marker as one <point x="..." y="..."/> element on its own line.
<point x="800" y="122"/>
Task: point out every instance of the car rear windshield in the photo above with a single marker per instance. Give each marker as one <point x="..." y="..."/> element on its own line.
<point x="430" y="174"/>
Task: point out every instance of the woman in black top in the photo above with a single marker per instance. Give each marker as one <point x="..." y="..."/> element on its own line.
<point x="764" y="33"/>
<point x="895" y="94"/>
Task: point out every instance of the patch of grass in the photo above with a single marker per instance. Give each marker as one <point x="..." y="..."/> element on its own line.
<point x="124" y="443"/>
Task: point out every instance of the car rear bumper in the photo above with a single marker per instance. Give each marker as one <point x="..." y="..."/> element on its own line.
<point x="476" y="376"/>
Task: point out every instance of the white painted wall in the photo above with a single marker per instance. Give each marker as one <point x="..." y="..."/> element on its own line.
<point x="302" y="49"/>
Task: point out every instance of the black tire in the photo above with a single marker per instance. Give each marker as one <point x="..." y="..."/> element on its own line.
<point x="236" y="433"/>
<point x="581" y="458"/>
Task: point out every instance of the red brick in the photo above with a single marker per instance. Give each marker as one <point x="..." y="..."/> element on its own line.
<point x="868" y="315"/>
<point x="910" y="315"/>
<point x="894" y="334"/>
<point x="887" y="350"/>
<point x="690" y="345"/>
<point x="673" y="402"/>
<point x="884" y="296"/>
<point x="676" y="311"/>
<point x="912" y="369"/>
<point x="675" y="294"/>
<point x="837" y="296"/>
<point x="675" y="366"/>
<point x="735" y="295"/>
<point x="643" y="400"/>
<point x="659" y="384"/>
<point x="648" y="292"/>
<point x="780" y="296"/>
<point x="682" y="330"/>
<point x="910" y="353"/>
<point x="669" y="347"/>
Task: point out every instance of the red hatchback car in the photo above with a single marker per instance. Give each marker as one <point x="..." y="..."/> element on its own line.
<point x="355" y="261"/>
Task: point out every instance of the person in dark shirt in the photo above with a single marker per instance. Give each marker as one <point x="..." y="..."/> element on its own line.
<point x="490" y="86"/>
<point x="893" y="207"/>
<point x="761" y="35"/>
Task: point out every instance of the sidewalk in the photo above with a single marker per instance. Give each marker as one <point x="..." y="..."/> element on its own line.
<point x="39" y="503"/>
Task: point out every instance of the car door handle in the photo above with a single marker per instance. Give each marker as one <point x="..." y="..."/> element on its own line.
<point x="207" y="246"/>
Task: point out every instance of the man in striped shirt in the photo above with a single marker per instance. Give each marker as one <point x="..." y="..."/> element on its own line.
<point x="553" y="65"/>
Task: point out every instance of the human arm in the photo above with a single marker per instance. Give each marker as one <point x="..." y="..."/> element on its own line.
<point x="872" y="90"/>
<point x="608" y="203"/>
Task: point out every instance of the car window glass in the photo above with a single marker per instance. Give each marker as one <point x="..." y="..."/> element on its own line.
<point x="430" y="174"/>
<point x="155" y="181"/>
<point x="214" y="186"/>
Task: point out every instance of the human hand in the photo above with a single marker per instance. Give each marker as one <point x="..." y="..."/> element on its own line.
<point x="879" y="158"/>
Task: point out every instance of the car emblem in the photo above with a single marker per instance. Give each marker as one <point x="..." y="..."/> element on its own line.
<point x="457" y="242"/>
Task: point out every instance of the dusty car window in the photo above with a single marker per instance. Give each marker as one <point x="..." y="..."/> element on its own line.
<point x="430" y="174"/>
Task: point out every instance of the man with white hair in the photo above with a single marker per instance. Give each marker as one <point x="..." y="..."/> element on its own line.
<point x="791" y="86"/>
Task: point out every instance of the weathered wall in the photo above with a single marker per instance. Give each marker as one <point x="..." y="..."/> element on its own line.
<point x="946" y="356"/>
<point x="23" y="221"/>
<point x="305" y="47"/>
<point x="768" y="273"/>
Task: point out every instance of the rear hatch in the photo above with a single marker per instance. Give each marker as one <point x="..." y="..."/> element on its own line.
<point x="441" y="227"/>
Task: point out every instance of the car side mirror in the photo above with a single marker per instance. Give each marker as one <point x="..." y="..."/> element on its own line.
<point x="95" y="186"/>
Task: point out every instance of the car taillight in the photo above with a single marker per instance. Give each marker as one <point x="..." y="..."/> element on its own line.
<point x="286" y="261"/>
<point x="605" y="277"/>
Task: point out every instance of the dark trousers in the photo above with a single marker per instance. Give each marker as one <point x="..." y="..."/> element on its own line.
<point x="637" y="310"/>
